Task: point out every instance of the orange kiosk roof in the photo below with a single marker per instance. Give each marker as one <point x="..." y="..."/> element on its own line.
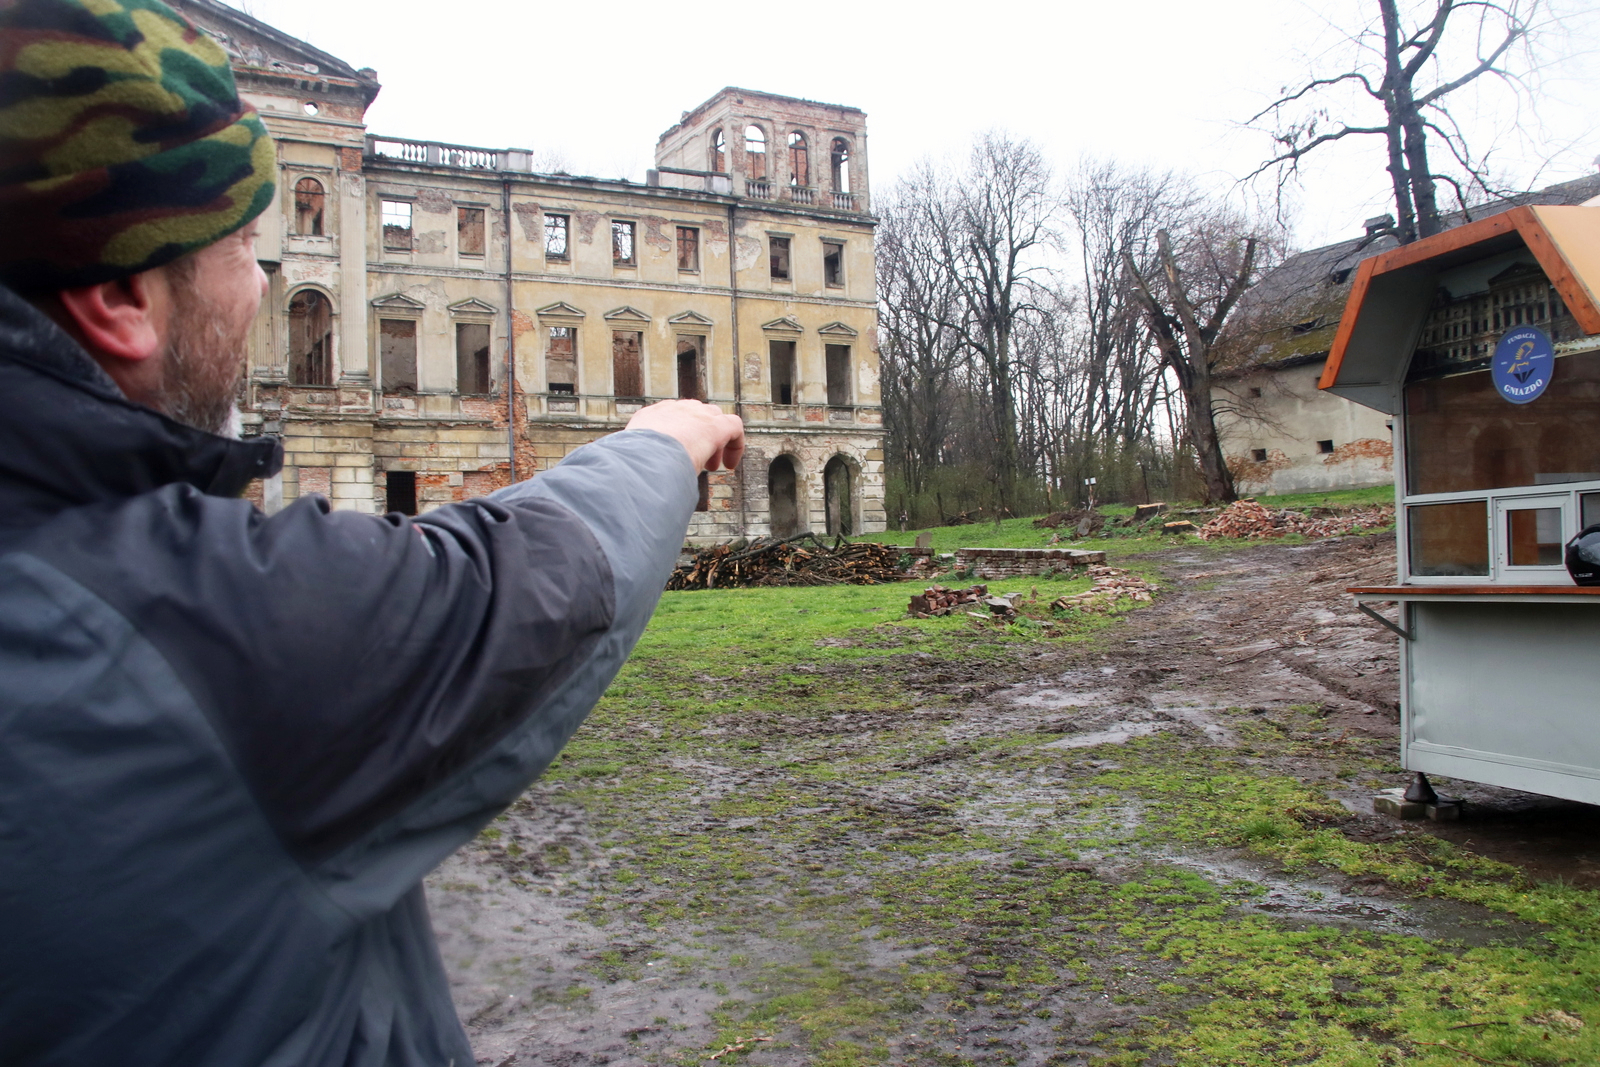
<point x="1393" y="292"/>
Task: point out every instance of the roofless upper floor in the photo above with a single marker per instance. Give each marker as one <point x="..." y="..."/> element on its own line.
<point x="769" y="147"/>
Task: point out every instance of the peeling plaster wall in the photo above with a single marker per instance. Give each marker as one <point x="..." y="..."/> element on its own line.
<point x="1288" y="420"/>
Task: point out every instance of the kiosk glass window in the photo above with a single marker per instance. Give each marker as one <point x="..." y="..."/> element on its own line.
<point x="1461" y="436"/>
<point x="1533" y="537"/>
<point x="1449" y="540"/>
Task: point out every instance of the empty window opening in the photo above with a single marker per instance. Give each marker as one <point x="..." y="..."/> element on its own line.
<point x="469" y="231"/>
<point x="310" y="339"/>
<point x="691" y="367"/>
<point x="1341" y="276"/>
<point x="840" y="165"/>
<point x="838" y="358"/>
<point x="561" y="360"/>
<point x="799" y="159"/>
<point x="783" y="497"/>
<point x="397" y="225"/>
<point x="1258" y="454"/>
<point x="627" y="368"/>
<point x="782" y="357"/>
<point x="755" y="152"/>
<point x="779" y="256"/>
<point x="621" y="243"/>
<point x="1255" y="392"/>
<point x="688" y="248"/>
<point x="309" y="199"/>
<point x="555" y="237"/>
<point x="719" y="152"/>
<point x="397" y="354"/>
<point x="400" y="491"/>
<point x="472" y="357"/>
<point x="1533" y="537"/>
<point x="1325" y="447"/>
<point x="833" y="264"/>
<point x="838" y="486"/>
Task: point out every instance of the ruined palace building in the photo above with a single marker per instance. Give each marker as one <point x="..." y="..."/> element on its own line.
<point x="443" y="319"/>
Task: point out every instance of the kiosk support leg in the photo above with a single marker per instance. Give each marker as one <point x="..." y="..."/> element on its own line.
<point x="1396" y="627"/>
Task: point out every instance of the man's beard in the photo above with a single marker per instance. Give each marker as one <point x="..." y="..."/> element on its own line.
<point x="203" y="364"/>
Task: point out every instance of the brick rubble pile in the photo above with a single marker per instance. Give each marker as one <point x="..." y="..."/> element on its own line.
<point x="1111" y="584"/>
<point x="937" y="600"/>
<point x="1249" y="520"/>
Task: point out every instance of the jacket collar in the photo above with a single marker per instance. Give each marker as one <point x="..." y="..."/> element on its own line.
<point x="68" y="437"/>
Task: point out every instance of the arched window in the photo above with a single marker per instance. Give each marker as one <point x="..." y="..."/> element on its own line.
<point x="755" y="152"/>
<point x="310" y="339"/>
<point x="308" y="201"/>
<point x="799" y="160"/>
<point x="719" y="152"/>
<point x="839" y="497"/>
<point x="841" y="165"/>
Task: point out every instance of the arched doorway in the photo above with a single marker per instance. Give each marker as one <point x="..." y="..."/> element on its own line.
<point x="783" y="497"/>
<point x="838" y="486"/>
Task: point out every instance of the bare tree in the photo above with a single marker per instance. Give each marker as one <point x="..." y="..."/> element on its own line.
<point x="1186" y="299"/>
<point x="1409" y="63"/>
<point x="921" y="353"/>
<point x="997" y="225"/>
<point x="1115" y="212"/>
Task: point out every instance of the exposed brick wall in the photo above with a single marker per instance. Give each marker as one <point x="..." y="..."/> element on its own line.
<point x="1016" y="562"/>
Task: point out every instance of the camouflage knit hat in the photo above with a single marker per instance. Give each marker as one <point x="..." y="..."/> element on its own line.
<point x="123" y="143"/>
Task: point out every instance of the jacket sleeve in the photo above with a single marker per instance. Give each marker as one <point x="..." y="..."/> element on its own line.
<point x="385" y="678"/>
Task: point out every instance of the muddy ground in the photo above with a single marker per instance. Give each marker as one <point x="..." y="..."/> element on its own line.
<point x="932" y="875"/>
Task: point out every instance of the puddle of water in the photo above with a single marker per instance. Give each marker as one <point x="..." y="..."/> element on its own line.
<point x="1315" y="900"/>
<point x="1118" y="734"/>
<point x="1059" y="698"/>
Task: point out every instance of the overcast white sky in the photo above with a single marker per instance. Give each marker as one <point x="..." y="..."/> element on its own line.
<point x="1159" y="83"/>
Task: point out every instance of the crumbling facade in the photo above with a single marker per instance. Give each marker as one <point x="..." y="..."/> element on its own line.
<point x="443" y="319"/>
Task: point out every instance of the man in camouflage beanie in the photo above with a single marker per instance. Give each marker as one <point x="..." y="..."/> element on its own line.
<point x="123" y="144"/>
<point x="231" y="744"/>
<point x="131" y="176"/>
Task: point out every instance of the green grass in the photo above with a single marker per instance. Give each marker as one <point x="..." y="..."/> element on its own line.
<point x="1343" y="498"/>
<point x="1021" y="533"/>
<point x="739" y="773"/>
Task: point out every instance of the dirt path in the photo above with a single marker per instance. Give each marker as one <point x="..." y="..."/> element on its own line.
<point x="934" y="878"/>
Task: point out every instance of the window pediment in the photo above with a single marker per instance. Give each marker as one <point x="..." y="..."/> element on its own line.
<point x="560" y="313"/>
<point x="626" y="314"/>
<point x="837" y="329"/>
<point x="399" y="302"/>
<point x="690" y="318"/>
<point x="786" y="324"/>
<point x="473" y="306"/>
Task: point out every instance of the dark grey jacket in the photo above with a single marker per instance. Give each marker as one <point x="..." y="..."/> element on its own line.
<point x="231" y="746"/>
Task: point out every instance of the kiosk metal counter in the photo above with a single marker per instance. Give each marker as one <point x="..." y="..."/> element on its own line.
<point x="1483" y="344"/>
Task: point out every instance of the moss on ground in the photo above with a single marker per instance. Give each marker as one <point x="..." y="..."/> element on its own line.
<point x="787" y="808"/>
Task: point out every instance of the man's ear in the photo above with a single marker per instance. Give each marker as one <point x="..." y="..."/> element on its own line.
<point x="123" y="319"/>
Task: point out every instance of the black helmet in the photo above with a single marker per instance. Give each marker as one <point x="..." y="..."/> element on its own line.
<point x="1583" y="556"/>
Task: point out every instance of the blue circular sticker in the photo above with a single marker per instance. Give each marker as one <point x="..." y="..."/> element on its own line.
<point x="1523" y="362"/>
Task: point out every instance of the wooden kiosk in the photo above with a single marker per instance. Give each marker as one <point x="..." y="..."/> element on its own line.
<point x="1497" y="445"/>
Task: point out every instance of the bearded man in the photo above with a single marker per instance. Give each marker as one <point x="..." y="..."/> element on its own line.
<point x="232" y="745"/>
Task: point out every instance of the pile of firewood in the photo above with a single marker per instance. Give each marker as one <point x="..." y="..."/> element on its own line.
<point x="938" y="600"/>
<point x="1111" y="584"/>
<point x="1248" y="519"/>
<point x="802" y="560"/>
